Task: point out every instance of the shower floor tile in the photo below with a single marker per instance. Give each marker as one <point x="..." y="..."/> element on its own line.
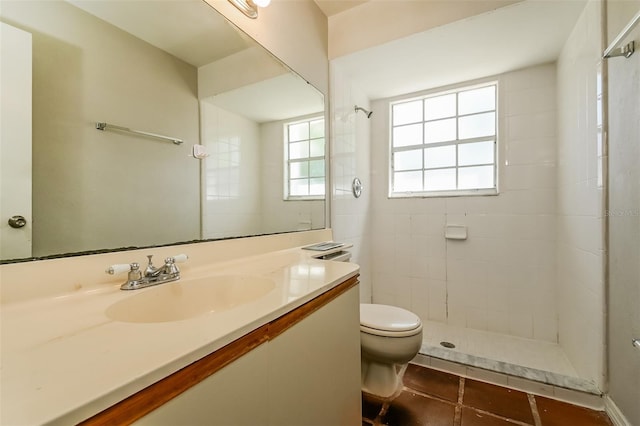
<point x="427" y="399"/>
<point x="514" y="350"/>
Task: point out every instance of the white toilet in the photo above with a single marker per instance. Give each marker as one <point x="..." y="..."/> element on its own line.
<point x="389" y="338"/>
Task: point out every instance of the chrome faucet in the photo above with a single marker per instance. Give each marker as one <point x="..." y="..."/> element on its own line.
<point x="137" y="279"/>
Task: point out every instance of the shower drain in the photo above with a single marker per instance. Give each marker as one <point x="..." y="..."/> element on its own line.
<point x="448" y="345"/>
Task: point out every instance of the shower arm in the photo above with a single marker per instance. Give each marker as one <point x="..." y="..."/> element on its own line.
<point x="366" y="112"/>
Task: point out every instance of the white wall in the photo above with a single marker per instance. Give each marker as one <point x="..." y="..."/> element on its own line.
<point x="350" y="158"/>
<point x="294" y="31"/>
<point x="581" y="301"/>
<point x="84" y="71"/>
<point x="231" y="198"/>
<point x="502" y="278"/>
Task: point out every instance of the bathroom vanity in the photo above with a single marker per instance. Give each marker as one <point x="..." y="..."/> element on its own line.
<point x="286" y="355"/>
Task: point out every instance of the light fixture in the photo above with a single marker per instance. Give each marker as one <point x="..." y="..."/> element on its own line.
<point x="250" y="7"/>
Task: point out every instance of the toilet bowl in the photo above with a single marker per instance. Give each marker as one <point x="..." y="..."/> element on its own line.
<point x="389" y="338"/>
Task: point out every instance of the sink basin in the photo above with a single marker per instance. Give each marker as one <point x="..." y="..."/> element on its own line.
<point x="187" y="299"/>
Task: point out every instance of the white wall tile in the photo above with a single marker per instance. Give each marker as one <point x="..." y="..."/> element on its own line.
<point x="511" y="236"/>
<point x="351" y="157"/>
<point x="530" y="386"/>
<point x="487" y="376"/>
<point x="579" y="228"/>
<point x="521" y="324"/>
<point x="594" y="402"/>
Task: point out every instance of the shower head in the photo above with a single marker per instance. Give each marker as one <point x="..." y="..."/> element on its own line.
<point x="367" y="113"/>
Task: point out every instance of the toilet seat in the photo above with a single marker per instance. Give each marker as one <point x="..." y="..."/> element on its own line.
<point x="388" y="321"/>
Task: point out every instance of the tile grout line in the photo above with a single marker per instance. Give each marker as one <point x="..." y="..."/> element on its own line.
<point x="383" y="412"/>
<point x="457" y="418"/>
<point x="498" y="416"/>
<point x="534" y="410"/>
<point x="460" y="404"/>
<point x="461" y="390"/>
<point x="429" y="396"/>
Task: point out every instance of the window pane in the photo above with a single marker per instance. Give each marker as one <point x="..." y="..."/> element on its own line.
<point x="407" y="181"/>
<point x="446" y="142"/>
<point x="407" y="160"/>
<point x="439" y="180"/>
<point x="316" y="186"/>
<point x="440" y="107"/>
<point x="316" y="129"/>
<point x="304" y="141"/>
<point x="298" y="187"/>
<point x="298" y="132"/>
<point x="408" y="112"/>
<point x="441" y="156"/>
<point x="317" y="148"/>
<point x="477" y="100"/>
<point x="440" y="131"/>
<point x="299" y="150"/>
<point x="475" y="126"/>
<point x="475" y="153"/>
<point x="316" y="168"/>
<point x="299" y="170"/>
<point x="407" y="135"/>
<point x="475" y="177"/>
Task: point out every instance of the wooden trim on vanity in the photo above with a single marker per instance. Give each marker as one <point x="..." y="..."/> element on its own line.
<point x="148" y="399"/>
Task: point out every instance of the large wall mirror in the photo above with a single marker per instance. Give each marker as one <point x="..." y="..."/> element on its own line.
<point x="170" y="68"/>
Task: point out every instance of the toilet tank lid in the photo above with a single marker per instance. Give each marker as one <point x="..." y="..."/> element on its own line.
<point x="388" y="318"/>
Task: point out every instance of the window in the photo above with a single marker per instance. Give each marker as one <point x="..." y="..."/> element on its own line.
<point x="444" y="143"/>
<point x="304" y="155"/>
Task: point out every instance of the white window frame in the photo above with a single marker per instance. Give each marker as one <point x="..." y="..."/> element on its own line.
<point x="287" y="161"/>
<point x="451" y="192"/>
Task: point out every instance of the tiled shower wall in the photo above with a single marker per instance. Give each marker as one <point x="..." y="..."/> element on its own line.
<point x="502" y="278"/>
<point x="581" y="297"/>
<point x="350" y="158"/>
<point x="240" y="197"/>
<point x="231" y="206"/>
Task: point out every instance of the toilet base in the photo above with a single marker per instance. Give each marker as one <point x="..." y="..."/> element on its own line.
<point x="382" y="380"/>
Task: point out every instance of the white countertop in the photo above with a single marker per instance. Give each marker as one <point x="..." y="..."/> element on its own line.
<point x="63" y="360"/>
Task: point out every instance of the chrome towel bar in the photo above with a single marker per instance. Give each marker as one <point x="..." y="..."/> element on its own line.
<point x="106" y="126"/>
<point x="627" y="50"/>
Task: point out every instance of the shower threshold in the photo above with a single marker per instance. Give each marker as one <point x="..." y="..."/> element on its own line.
<point x="528" y="359"/>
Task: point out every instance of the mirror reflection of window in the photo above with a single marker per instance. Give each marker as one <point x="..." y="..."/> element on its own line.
<point x="120" y="62"/>
<point x="305" y="157"/>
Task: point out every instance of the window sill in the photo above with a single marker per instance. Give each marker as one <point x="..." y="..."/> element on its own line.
<point x="442" y="194"/>
<point x="319" y="198"/>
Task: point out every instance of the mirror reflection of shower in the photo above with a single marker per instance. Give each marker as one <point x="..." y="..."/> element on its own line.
<point x="367" y="113"/>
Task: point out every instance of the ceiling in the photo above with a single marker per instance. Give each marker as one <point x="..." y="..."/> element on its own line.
<point x="513" y="37"/>
<point x="207" y="38"/>
<point x="162" y="24"/>
<point x="333" y="7"/>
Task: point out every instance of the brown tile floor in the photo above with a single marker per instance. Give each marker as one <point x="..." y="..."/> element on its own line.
<point x="436" y="398"/>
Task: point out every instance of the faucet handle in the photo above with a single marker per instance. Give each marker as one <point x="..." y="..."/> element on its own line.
<point x="132" y="268"/>
<point x="150" y="269"/>
<point x="119" y="268"/>
<point x="180" y="258"/>
<point x="170" y="266"/>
